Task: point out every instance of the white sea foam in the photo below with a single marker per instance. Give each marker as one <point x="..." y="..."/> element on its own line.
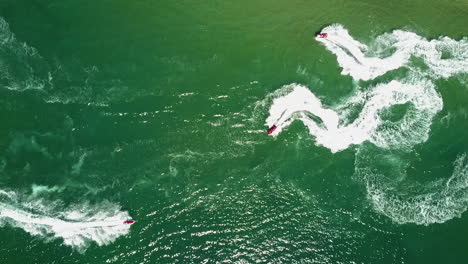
<point x="324" y="123"/>
<point x="443" y="56"/>
<point x="19" y="62"/>
<point x="330" y="126"/>
<point x="77" y="225"/>
<point x="434" y="202"/>
<point x="394" y="116"/>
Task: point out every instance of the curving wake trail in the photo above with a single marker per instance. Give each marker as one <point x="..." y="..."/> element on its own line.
<point x="78" y="225"/>
<point x="301" y="104"/>
<point x="444" y="56"/>
<point x="405" y="201"/>
<point x="393" y="116"/>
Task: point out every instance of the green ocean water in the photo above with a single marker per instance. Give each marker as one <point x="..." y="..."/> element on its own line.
<point x="158" y="108"/>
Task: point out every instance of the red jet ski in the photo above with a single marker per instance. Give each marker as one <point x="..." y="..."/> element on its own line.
<point x="271" y="129"/>
<point x="129" y="222"/>
<point x="322" y="35"/>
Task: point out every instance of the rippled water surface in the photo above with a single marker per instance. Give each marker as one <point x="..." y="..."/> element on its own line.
<point x="157" y="111"/>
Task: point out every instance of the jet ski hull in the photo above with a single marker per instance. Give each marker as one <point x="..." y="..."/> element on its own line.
<point x="271" y="130"/>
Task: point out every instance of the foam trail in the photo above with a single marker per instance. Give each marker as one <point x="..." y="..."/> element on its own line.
<point x="21" y="66"/>
<point x="392" y="130"/>
<point x="78" y="226"/>
<point x="444" y="56"/>
<point x="324" y="125"/>
<point x="423" y="204"/>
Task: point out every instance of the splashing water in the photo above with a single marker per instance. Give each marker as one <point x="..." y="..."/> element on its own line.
<point x="300" y="104"/>
<point x="352" y="55"/>
<point x="416" y="94"/>
<point x="77" y="225"/>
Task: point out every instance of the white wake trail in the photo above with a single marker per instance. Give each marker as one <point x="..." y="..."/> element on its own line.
<point x="78" y="226"/>
<point x="408" y="202"/>
<point x="444" y="56"/>
<point x="324" y="124"/>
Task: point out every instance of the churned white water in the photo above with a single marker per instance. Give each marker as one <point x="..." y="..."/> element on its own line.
<point x="443" y="56"/>
<point x="418" y="100"/>
<point x="301" y="104"/>
<point x="77" y="226"/>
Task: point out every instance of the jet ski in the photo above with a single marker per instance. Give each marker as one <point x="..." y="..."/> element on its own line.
<point x="271" y="129"/>
<point x="321" y="35"/>
<point x="129" y="222"/>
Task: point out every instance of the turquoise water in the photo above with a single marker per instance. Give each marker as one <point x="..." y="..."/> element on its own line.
<point x="156" y="111"/>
